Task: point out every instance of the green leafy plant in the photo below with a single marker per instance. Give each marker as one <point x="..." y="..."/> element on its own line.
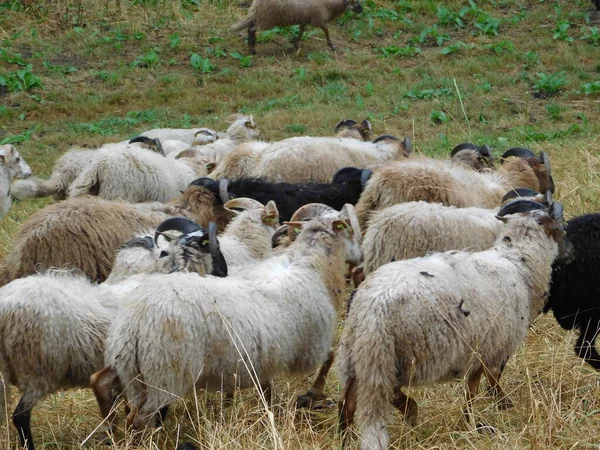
<point x="245" y="61"/>
<point x="550" y="85"/>
<point x="448" y="17"/>
<point x="174" y="40"/>
<point x="21" y="80"/>
<point x="554" y="111"/>
<point x="456" y="47"/>
<point x="501" y="47"/>
<point x="592" y="35"/>
<point x="202" y="65"/>
<point x="561" y="31"/>
<point x="432" y="34"/>
<point x="403" y="52"/>
<point x="148" y="59"/>
<point x="531" y="59"/>
<point x="58" y="68"/>
<point x="488" y="25"/>
<point x="11" y="58"/>
<point x="439" y="117"/>
<point x="591" y="88"/>
<point x="427" y="94"/>
<point x="18" y="138"/>
<point x="216" y="51"/>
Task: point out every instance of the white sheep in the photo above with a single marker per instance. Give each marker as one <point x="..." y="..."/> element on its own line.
<point x="444" y="316"/>
<point x="53" y="326"/>
<point x="12" y="165"/>
<point x="278" y="316"/>
<point x="266" y="14"/>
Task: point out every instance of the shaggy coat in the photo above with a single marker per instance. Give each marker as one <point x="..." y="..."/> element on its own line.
<point x="410" y="230"/>
<point x="278" y="316"/>
<point x="408" y="327"/>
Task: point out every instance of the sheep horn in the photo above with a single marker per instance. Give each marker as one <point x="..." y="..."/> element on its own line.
<point x="223" y="192"/>
<point x="312" y="210"/>
<point x="520" y="205"/>
<point x="463" y="146"/>
<point x="545" y="160"/>
<point x="519" y="192"/>
<point x="520" y="152"/>
<point x="279" y="233"/>
<point x="185" y="226"/>
<point x="206" y="133"/>
<point x="207" y="183"/>
<point x="218" y="260"/>
<point x="365" y="176"/>
<point x="344" y="123"/>
<point x="349" y="212"/>
<point x="158" y="148"/>
<point x="407" y="146"/>
<point x="144" y="242"/>
<point x="242" y="204"/>
<point x="386" y="137"/>
<point x="142" y="140"/>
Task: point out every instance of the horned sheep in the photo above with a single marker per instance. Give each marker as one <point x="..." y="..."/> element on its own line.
<point x="277" y="316"/>
<point x="424" y="320"/>
<point x="266" y="14"/>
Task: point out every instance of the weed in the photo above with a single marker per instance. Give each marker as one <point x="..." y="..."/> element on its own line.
<point x="592" y="35"/>
<point x="149" y="59"/>
<point x="456" y="47"/>
<point x="11" y="58"/>
<point x="427" y="94"/>
<point x="439" y="117"/>
<point x="561" y="31"/>
<point x="217" y="52"/>
<point x="488" y="25"/>
<point x="245" y="61"/>
<point x="591" y="88"/>
<point x="432" y="35"/>
<point x="58" y="68"/>
<point x="21" y="80"/>
<point x="554" y="111"/>
<point x="531" y="59"/>
<point x="174" y="40"/>
<point x="550" y="85"/>
<point x="202" y="65"/>
<point x="403" y="52"/>
<point x="448" y="17"/>
<point x="19" y="138"/>
<point x="501" y="47"/>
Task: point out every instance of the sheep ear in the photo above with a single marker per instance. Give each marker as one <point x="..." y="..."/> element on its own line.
<point x="367" y="124"/>
<point x="340" y="225"/>
<point x="502" y="219"/>
<point x="407" y="146"/>
<point x="271" y="214"/>
<point x="296" y="226"/>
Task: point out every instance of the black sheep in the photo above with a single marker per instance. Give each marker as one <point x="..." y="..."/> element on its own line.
<point x="346" y="187"/>
<point x="575" y="289"/>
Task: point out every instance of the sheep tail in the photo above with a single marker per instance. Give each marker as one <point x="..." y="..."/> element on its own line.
<point x="243" y="24"/>
<point x="375" y="366"/>
<point x="34" y="187"/>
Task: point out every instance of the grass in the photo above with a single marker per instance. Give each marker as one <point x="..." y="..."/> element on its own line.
<point x="85" y="72"/>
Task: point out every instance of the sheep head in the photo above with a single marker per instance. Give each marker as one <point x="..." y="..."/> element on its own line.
<point x="200" y="203"/>
<point x="349" y="175"/>
<point x="405" y="145"/>
<point x="268" y="214"/>
<point x="11" y="159"/>
<point x="477" y="157"/>
<point x="151" y="144"/>
<point x="242" y="128"/>
<point x="348" y="128"/>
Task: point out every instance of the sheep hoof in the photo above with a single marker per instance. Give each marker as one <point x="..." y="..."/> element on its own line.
<point x="309" y="399"/>
<point x="484" y="428"/>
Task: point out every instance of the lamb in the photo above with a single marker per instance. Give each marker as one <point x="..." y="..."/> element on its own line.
<point x="266" y="14"/>
<point x="346" y="187"/>
<point x="444" y="316"/>
<point x="53" y="326"/>
<point x="85" y="232"/>
<point x="135" y="175"/>
<point x="279" y="315"/>
<point x="11" y="166"/>
<point x="308" y="159"/>
<point x="575" y="285"/>
<point x="436" y="182"/>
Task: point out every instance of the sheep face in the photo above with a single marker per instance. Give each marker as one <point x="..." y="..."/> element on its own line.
<point x="10" y="157"/>
<point x="354" y="6"/>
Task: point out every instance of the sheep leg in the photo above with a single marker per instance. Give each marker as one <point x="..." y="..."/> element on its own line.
<point x="22" y="419"/>
<point x="102" y="383"/>
<point x="299" y="37"/>
<point x="252" y="40"/>
<point x="407" y="406"/>
<point x="500" y="397"/>
<point x="586" y="348"/>
<point x="472" y="387"/>
<point x="326" y="31"/>
<point x="316" y="392"/>
<point x="347" y="405"/>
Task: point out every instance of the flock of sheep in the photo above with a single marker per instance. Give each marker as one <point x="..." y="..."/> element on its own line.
<point x="186" y="259"/>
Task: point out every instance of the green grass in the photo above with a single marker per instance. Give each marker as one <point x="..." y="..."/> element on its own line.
<point x="504" y="73"/>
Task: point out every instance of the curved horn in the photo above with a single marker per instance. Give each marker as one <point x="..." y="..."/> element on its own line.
<point x="142" y="140"/>
<point x="206" y="132"/>
<point x="312" y="210"/>
<point x="365" y="176"/>
<point x="144" y="242"/>
<point x="545" y="160"/>
<point x="519" y="152"/>
<point x="207" y="183"/>
<point x="486" y="152"/>
<point x="349" y="211"/>
<point x="279" y="233"/>
<point x="519" y="192"/>
<point x="344" y="123"/>
<point x="518" y="206"/>
<point x="158" y="148"/>
<point x="185" y="226"/>
<point x="386" y="137"/>
<point x="243" y="204"/>
<point x="223" y="192"/>
<point x="218" y="260"/>
<point x="463" y="146"/>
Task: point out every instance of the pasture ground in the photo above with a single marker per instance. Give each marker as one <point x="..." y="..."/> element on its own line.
<point x="501" y="72"/>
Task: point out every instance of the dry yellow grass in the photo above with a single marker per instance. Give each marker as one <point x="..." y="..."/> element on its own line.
<point x="556" y="396"/>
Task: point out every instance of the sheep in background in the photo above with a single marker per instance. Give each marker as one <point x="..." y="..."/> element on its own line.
<point x="190" y="136"/>
<point x="135" y="175"/>
<point x="348" y="128"/>
<point x="266" y="14"/>
<point x="85" y="232"/>
<point x="53" y="326"/>
<point x="12" y="165"/>
<point x="444" y="316"/>
<point x="435" y="182"/>
<point x="478" y="158"/>
<point x="574" y="292"/>
<point x="280" y="315"/>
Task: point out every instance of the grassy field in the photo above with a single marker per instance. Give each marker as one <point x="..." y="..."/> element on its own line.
<point x="502" y="72"/>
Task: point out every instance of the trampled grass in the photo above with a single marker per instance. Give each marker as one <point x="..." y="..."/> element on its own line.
<point x="84" y="72"/>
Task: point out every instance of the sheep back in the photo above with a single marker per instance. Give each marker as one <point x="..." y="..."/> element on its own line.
<point x="267" y="14"/>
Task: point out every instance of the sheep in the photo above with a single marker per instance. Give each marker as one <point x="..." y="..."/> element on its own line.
<point x="53" y="326"/>
<point x="66" y="169"/>
<point x="441" y="317"/>
<point x="308" y="159"/>
<point x="266" y="14"/>
<point x="575" y="286"/>
<point x="12" y="165"/>
<point x="348" y="128"/>
<point x="135" y="175"/>
<point x="478" y="158"/>
<point x="277" y="316"/>
<point x="189" y="136"/>
<point x="346" y="187"/>
<point x="85" y="232"/>
<point x="409" y="230"/>
<point x="437" y="182"/>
